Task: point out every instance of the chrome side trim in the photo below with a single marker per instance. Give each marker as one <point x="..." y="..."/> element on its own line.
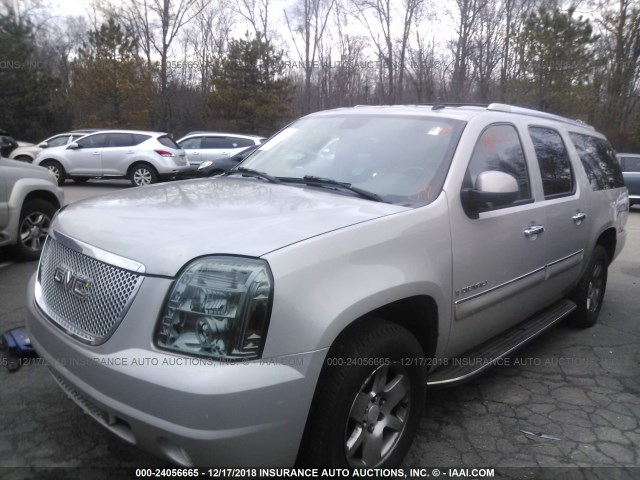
<point x="492" y="296"/>
<point x="97" y="253"/>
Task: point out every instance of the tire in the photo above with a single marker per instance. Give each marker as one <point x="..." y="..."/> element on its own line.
<point x="35" y="219"/>
<point x="80" y="179"/>
<point x="143" y="174"/>
<point x="589" y="292"/>
<point x="356" y="404"/>
<point x="57" y="169"/>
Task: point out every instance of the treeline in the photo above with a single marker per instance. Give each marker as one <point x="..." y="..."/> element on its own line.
<point x="179" y="65"/>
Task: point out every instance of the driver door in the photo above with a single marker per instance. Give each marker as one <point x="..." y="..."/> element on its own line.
<point x="86" y="160"/>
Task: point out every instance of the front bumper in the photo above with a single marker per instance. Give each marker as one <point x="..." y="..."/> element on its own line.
<point x="190" y="411"/>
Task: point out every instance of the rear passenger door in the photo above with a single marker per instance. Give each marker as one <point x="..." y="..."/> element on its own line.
<point x="120" y="153"/>
<point x="215" y="147"/>
<point x="566" y="228"/>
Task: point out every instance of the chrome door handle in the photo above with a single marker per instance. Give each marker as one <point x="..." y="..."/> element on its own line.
<point x="194" y="153"/>
<point x="533" y="230"/>
<point x="579" y="217"/>
<point x="95" y="153"/>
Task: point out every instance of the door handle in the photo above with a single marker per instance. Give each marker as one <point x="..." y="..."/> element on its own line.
<point x="579" y="217"/>
<point x="95" y="153"/>
<point x="194" y="153"/>
<point x="533" y="230"/>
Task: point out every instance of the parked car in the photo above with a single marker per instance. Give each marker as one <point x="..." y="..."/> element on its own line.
<point x="297" y="307"/>
<point x="630" y="163"/>
<point x="28" y="152"/>
<point x="142" y="157"/>
<point x="7" y="143"/>
<point x="210" y="146"/>
<point x="29" y="197"/>
<point x="216" y="167"/>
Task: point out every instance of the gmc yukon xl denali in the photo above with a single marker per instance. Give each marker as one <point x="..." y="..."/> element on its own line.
<point x="296" y="308"/>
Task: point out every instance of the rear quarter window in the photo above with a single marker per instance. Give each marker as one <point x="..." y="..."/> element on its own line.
<point x="599" y="161"/>
<point x="167" y="141"/>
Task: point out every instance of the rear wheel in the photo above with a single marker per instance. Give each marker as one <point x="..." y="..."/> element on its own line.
<point x="369" y="399"/>
<point x="35" y="219"/>
<point x="589" y="293"/>
<point x="143" y="174"/>
<point x="57" y="170"/>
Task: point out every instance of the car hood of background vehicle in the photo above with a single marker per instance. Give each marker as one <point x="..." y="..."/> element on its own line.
<point x="165" y="226"/>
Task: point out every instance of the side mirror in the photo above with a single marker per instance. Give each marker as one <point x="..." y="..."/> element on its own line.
<point x="493" y="189"/>
<point x="43" y="145"/>
<point x="73" y="146"/>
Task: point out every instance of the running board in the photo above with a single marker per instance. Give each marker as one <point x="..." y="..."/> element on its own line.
<point x="482" y="357"/>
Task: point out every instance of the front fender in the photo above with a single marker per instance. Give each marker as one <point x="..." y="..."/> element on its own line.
<point x="323" y="284"/>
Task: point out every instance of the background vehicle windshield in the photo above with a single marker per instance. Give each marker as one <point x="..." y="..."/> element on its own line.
<point x="403" y="159"/>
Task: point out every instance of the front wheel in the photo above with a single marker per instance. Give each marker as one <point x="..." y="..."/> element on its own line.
<point x="143" y="174"/>
<point x="57" y="170"/>
<point x="35" y="220"/>
<point x="589" y="292"/>
<point x="369" y="399"/>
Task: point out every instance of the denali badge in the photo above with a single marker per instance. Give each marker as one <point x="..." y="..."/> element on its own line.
<point x="76" y="284"/>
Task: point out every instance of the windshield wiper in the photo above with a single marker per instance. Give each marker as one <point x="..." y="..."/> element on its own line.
<point x="251" y="173"/>
<point x="320" y="181"/>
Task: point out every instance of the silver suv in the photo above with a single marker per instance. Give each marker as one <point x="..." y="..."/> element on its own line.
<point x="298" y="307"/>
<point x="29" y="197"/>
<point x="203" y="147"/>
<point x="142" y="157"/>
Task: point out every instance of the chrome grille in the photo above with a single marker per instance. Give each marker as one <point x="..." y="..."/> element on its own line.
<point x="92" y="312"/>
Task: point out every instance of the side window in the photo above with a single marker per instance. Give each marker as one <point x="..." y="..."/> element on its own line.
<point x="191" y="143"/>
<point x="138" y="138"/>
<point x="599" y="161"/>
<point x="499" y="148"/>
<point x="630" y="164"/>
<point x="555" y="166"/>
<point x="58" y="141"/>
<point x="98" y="140"/>
<point x="216" y="142"/>
<point x="237" y="142"/>
<point x="120" y="140"/>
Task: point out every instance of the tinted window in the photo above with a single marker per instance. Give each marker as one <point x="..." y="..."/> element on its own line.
<point x="167" y="141"/>
<point x="56" y="142"/>
<point x="120" y="140"/>
<point x="191" y="143"/>
<point x="630" y="164"/>
<point x="499" y="148"/>
<point x="599" y="161"/>
<point x="555" y="167"/>
<point x="237" y="142"/>
<point x="216" y="142"/>
<point x="94" y="141"/>
<point x="138" y="138"/>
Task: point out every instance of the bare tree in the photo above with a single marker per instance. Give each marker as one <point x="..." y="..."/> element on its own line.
<point x="467" y="19"/>
<point x="159" y="22"/>
<point x="377" y="17"/>
<point x="307" y="22"/>
<point x="486" y="47"/>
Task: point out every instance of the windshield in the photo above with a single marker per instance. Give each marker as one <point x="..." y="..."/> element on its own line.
<point x="402" y="159"/>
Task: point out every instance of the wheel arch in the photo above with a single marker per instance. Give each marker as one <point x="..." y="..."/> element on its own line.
<point x="608" y="240"/>
<point x="140" y="162"/>
<point x="42" y="195"/>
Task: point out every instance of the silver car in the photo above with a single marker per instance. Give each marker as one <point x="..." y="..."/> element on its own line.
<point x="29" y="197"/>
<point x="210" y="146"/>
<point x="143" y="157"/>
<point x="298" y="306"/>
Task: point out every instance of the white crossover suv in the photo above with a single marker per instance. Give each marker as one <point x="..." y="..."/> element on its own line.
<point x="143" y="157"/>
<point x="298" y="307"/>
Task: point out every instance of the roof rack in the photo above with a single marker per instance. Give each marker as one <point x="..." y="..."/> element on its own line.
<point x="501" y="107"/>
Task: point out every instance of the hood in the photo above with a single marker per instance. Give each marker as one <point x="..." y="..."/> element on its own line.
<point x="165" y="226"/>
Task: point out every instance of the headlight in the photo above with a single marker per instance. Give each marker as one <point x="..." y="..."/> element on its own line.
<point x="206" y="164"/>
<point x="219" y="307"/>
